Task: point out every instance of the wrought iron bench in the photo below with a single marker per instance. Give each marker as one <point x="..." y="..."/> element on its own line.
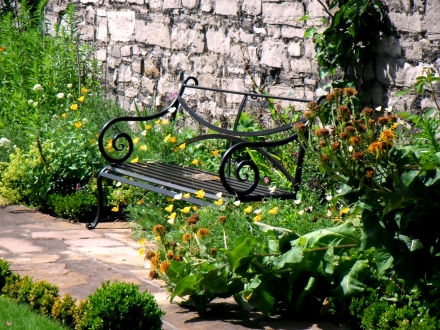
<point x="172" y="179"/>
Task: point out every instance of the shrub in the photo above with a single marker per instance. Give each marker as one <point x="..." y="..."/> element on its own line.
<point x="72" y="206"/>
<point x="42" y="297"/>
<point x="64" y="310"/>
<point x="4" y="272"/>
<point x="119" y="306"/>
<point x="18" y="288"/>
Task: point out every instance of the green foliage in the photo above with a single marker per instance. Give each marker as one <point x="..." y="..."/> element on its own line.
<point x="348" y="41"/>
<point x="73" y="206"/>
<point x="5" y="272"/>
<point x="120" y="306"/>
<point x="42" y="297"/>
<point x="18" y="288"/>
<point x="64" y="311"/>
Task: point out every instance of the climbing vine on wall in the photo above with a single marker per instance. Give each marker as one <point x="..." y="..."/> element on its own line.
<point x="355" y="26"/>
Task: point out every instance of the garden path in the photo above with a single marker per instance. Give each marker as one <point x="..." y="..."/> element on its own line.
<point x="78" y="260"/>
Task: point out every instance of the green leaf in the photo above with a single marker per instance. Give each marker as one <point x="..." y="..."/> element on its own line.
<point x="383" y="260"/>
<point x="186" y="286"/>
<point x="351" y="284"/>
<point x="305" y="293"/>
<point x="305" y="17"/>
<point x="408" y="177"/>
<point x="241" y="254"/>
<point x="214" y="282"/>
<point x="403" y="92"/>
<point x="310" y="32"/>
<point x="293" y="256"/>
<point x="262" y="298"/>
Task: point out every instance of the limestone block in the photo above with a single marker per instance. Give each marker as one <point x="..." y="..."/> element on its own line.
<point x="294" y="49"/>
<point x="274" y="54"/>
<point x="137" y="2"/>
<point x="261" y="31"/>
<point x="218" y="42"/>
<point x="369" y="73"/>
<point x="136" y="66"/>
<point x="121" y="25"/>
<point x="172" y="4"/>
<point x="245" y="37"/>
<point x="101" y="30"/>
<point x="124" y="103"/>
<point x="274" y="31"/>
<point x="165" y="86"/>
<point x="101" y="54"/>
<point x="253" y="56"/>
<point x="87" y="32"/>
<point x="286" y="13"/>
<point x="126" y="50"/>
<point x="397" y="71"/>
<point x="150" y="69"/>
<point x="309" y="49"/>
<point x="153" y="33"/>
<point x="226" y="7"/>
<point x="89" y="1"/>
<point x="180" y="61"/>
<point x="113" y="62"/>
<point x="101" y="12"/>
<point x="291" y="32"/>
<point x="136" y="50"/>
<point x="183" y="38"/>
<point x="148" y="85"/>
<point x="308" y="81"/>
<point x="190" y="4"/>
<point x="131" y="92"/>
<point x="251" y="7"/>
<point x="236" y="53"/>
<point x="115" y="51"/>
<point x="233" y="84"/>
<point x="236" y="68"/>
<point x="432" y="17"/>
<point x="297" y="92"/>
<point x="206" y="5"/>
<point x="406" y="23"/>
<point x="301" y="66"/>
<point x="119" y="1"/>
<point x="389" y="45"/>
<point x="155" y="4"/>
<point x="90" y="15"/>
<point x="205" y="63"/>
<point x="124" y="74"/>
<point x="316" y="10"/>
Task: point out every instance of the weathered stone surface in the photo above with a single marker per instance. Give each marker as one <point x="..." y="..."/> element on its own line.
<point x="294" y="49"/>
<point x="397" y="71"/>
<point x="124" y="73"/>
<point x="155" y="4"/>
<point x="121" y="25"/>
<point x="153" y="33"/>
<point x="286" y="13"/>
<point x="389" y="46"/>
<point x="180" y="61"/>
<point x="131" y="92"/>
<point x="16" y="245"/>
<point x="245" y="37"/>
<point x="126" y="50"/>
<point x="150" y="69"/>
<point x="101" y="30"/>
<point x="90" y="15"/>
<point x="315" y="9"/>
<point x="115" y="51"/>
<point x="226" y="7"/>
<point x="172" y="4"/>
<point x="113" y="62"/>
<point x="205" y="63"/>
<point x="291" y="32"/>
<point x="432" y="17"/>
<point x="251" y="7"/>
<point x="274" y="31"/>
<point x="206" y="5"/>
<point x="87" y="32"/>
<point x="190" y="4"/>
<point x="233" y="84"/>
<point x="301" y="65"/>
<point x="65" y="234"/>
<point x="403" y="22"/>
<point x="218" y="42"/>
<point x="274" y="54"/>
<point x="137" y="2"/>
<point x="136" y="66"/>
<point x="166" y="86"/>
<point x="148" y="85"/>
<point x="183" y="38"/>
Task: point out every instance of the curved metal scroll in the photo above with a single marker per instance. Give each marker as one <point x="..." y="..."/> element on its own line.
<point x="258" y="146"/>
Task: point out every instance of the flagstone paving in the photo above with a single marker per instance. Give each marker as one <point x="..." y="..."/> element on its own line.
<point x="78" y="260"/>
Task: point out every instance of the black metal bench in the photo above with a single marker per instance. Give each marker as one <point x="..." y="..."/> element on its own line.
<point x="172" y="179"/>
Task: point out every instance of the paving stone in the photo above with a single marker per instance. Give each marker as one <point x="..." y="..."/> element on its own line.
<point x="58" y="225"/>
<point x="99" y="242"/>
<point x="16" y="245"/>
<point x="31" y="258"/>
<point x="64" y="235"/>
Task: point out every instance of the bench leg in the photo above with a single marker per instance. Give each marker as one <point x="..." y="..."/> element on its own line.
<point x="93" y="224"/>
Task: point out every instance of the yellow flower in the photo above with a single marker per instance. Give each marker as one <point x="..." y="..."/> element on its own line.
<point x="195" y="208"/>
<point x="134" y="160"/>
<point x="64" y="115"/>
<point x="157" y="122"/>
<point x="195" y="162"/>
<point x="215" y="152"/>
<point x="172" y="216"/>
<point x="200" y="193"/>
<point x="158" y="238"/>
<point x="388" y="137"/>
<point x="167" y="138"/>
<point x="81" y="99"/>
<point x="143" y="147"/>
<point x="74" y="107"/>
<point x="186" y="209"/>
<point x="274" y="210"/>
<point x="141" y="251"/>
<point x="182" y="146"/>
<point x="186" y="195"/>
<point x="78" y="124"/>
<point x="248" y="209"/>
<point x="142" y="241"/>
<point x="92" y="141"/>
<point x="169" y="208"/>
<point x="148" y="127"/>
<point x="115" y="209"/>
<point x="140" y="202"/>
<point x="135" y="140"/>
<point x="84" y="90"/>
<point x="173" y="139"/>
<point x="344" y="211"/>
<point x="164" y="122"/>
<point x="258" y="218"/>
<point x="219" y="202"/>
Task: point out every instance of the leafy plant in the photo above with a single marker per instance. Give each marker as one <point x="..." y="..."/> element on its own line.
<point x="64" y="310"/>
<point x="73" y="206"/>
<point x="5" y="272"/>
<point x="119" y="306"/>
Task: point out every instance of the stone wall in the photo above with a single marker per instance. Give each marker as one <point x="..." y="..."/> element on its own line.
<point x="147" y="46"/>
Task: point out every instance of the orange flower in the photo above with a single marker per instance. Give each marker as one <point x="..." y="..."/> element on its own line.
<point x="376" y="148"/>
<point x="186" y="237"/>
<point x="388" y="137"/>
<point x="159" y="230"/>
<point x="215" y="152"/>
<point x="165" y="266"/>
<point x="203" y="232"/>
<point x="355" y="140"/>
